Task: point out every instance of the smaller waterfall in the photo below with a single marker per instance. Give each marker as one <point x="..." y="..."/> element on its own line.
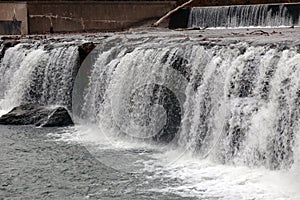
<point x="38" y="73"/>
<point x="264" y="15"/>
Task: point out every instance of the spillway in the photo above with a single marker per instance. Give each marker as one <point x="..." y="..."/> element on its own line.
<point x="245" y="16"/>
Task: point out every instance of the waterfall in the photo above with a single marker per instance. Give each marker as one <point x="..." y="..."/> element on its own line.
<point x="37" y="73"/>
<point x="263" y="15"/>
<point x="238" y="104"/>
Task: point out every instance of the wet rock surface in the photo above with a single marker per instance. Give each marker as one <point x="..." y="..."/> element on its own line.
<point x="59" y="118"/>
<point x="85" y="49"/>
<point x="39" y="115"/>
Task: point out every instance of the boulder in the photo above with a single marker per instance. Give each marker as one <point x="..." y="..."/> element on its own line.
<point x="58" y="118"/>
<point x="39" y="115"/>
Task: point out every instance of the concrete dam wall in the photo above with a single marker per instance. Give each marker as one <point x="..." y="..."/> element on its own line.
<point x="38" y="17"/>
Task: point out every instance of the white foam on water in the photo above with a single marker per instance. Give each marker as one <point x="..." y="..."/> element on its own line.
<point x="196" y="178"/>
<point x="102" y="138"/>
<point x="206" y="179"/>
<point x="121" y="153"/>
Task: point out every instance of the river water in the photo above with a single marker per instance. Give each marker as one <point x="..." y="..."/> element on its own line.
<point x="58" y="164"/>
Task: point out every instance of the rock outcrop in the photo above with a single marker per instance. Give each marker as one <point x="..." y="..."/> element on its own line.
<point x="85" y="49"/>
<point x="39" y="115"/>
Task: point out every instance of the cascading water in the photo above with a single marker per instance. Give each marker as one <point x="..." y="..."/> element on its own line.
<point x="264" y="15"/>
<point x="35" y="73"/>
<point x="241" y="100"/>
<point x="235" y="103"/>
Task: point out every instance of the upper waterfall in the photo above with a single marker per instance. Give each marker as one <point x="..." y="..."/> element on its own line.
<point x="262" y="15"/>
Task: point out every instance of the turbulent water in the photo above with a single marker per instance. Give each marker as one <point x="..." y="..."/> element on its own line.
<point x="198" y="119"/>
<point x="264" y="15"/>
<point x="242" y="97"/>
<point x="37" y="73"/>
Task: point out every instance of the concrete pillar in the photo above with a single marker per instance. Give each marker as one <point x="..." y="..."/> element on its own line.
<point x="13" y="18"/>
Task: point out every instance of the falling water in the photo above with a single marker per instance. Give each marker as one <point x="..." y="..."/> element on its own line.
<point x="35" y="73"/>
<point x="237" y="104"/>
<point x="264" y="15"/>
<point x="231" y="103"/>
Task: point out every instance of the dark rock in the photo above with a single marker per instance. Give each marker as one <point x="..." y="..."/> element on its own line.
<point x="24" y="115"/>
<point x="58" y="118"/>
<point x="39" y="115"/>
<point x="84" y="50"/>
<point x="12" y="37"/>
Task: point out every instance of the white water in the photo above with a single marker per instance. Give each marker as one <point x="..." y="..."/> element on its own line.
<point x="239" y="119"/>
<point x="263" y="15"/>
<point x="37" y="73"/>
<point x="238" y="135"/>
<point x="188" y="175"/>
<point x="245" y="102"/>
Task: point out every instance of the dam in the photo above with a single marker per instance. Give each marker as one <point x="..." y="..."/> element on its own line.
<point x="192" y="113"/>
<point x="40" y="17"/>
<point x="230" y="103"/>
